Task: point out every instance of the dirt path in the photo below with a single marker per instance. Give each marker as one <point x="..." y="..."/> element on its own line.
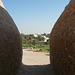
<point x="31" y="57"/>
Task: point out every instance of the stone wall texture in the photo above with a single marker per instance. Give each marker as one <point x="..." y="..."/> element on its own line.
<point x="62" y="42"/>
<point x="10" y="44"/>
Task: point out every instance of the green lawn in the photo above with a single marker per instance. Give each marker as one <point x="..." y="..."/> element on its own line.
<point x="37" y="46"/>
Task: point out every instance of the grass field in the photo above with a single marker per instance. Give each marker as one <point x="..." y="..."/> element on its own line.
<point x="37" y="46"/>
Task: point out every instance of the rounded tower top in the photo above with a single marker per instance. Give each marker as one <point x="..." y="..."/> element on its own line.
<point x="1" y="4"/>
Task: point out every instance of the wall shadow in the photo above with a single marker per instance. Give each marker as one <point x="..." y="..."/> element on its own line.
<point x="35" y="70"/>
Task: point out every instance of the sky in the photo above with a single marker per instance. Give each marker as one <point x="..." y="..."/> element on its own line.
<point x="35" y="16"/>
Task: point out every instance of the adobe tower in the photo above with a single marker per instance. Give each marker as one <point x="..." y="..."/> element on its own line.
<point x="62" y="42"/>
<point x="10" y="44"/>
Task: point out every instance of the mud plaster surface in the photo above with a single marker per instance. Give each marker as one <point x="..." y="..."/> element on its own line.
<point x="10" y="45"/>
<point x="62" y="42"/>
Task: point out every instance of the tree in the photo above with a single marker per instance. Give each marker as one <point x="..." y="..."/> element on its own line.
<point x="34" y="42"/>
<point x="44" y="34"/>
<point x="22" y="37"/>
<point x="40" y="38"/>
<point x="48" y="35"/>
<point x="47" y="42"/>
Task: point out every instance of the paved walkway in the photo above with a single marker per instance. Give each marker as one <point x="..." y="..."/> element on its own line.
<point x="35" y="58"/>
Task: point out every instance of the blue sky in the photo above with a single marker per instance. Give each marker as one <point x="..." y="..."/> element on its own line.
<point x="35" y="16"/>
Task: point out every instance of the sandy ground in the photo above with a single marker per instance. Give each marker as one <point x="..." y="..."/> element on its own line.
<point x="31" y="57"/>
<point x="35" y="63"/>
